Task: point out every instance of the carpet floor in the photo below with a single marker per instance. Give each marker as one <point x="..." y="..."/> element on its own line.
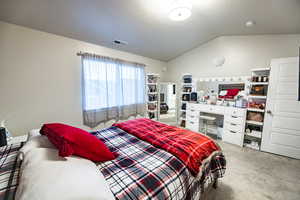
<point x="254" y="175"/>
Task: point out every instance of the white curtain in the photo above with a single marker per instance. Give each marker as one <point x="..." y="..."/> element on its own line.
<point x="112" y="89"/>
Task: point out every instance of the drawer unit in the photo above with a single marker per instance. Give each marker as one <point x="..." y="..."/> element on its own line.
<point x="193" y="126"/>
<point x="216" y="109"/>
<point x="192" y="118"/>
<point x="237" y="112"/>
<point x="233" y="137"/>
<point x="234" y="127"/>
<point x="193" y="106"/>
<point x="234" y="119"/>
<point x="204" y="107"/>
<point x="195" y="113"/>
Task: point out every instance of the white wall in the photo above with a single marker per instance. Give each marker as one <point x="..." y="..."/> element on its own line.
<point x="241" y="52"/>
<point x="40" y="77"/>
<point x="40" y="72"/>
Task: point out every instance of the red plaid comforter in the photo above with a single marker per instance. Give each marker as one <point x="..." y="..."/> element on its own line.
<point x="190" y="147"/>
<point x="145" y="172"/>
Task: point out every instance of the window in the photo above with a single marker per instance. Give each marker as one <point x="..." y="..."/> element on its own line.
<point x="112" y="87"/>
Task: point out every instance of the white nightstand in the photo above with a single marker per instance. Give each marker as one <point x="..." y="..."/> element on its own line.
<point x="18" y="139"/>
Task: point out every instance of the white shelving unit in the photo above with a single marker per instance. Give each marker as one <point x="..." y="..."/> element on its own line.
<point x="257" y="97"/>
<point x="252" y="147"/>
<point x="259" y="83"/>
<point x="153" y="101"/>
<point x="187" y="87"/>
<point x="256" y="110"/>
<point x="252" y="122"/>
<point x="256" y="134"/>
<point x="258" y="89"/>
<point x="259" y="70"/>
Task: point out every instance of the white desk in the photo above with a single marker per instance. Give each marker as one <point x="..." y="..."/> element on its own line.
<point x="234" y="120"/>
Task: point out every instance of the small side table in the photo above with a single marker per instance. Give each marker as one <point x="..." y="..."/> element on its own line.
<point x="18" y="139"/>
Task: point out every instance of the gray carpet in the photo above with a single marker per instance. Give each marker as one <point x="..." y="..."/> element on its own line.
<point x="253" y="175"/>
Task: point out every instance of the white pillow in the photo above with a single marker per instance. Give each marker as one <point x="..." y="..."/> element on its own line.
<point x="39" y="141"/>
<point x="223" y="92"/>
<point x="46" y="176"/>
<point x="33" y="133"/>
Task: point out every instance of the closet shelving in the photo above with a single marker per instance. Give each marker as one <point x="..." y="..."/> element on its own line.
<point x="261" y="83"/>
<point x="185" y="96"/>
<point x="152" y="82"/>
<point x="258" y="90"/>
<point x="257" y="97"/>
<point x="256" y="110"/>
<point x="253" y="122"/>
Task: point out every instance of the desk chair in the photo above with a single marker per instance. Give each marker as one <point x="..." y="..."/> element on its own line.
<point x="206" y="119"/>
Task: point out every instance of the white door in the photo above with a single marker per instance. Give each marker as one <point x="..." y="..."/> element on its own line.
<point x="281" y="133"/>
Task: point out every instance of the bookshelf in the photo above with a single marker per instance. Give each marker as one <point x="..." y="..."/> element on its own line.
<point x="187" y="87"/>
<point x="153" y="102"/>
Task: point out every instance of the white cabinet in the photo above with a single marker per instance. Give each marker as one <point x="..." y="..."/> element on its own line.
<point x="192" y="117"/>
<point x="219" y="110"/>
<point x="192" y="125"/>
<point x="234" y="120"/>
<point x="235" y="112"/>
<point x="233" y="137"/>
<point x="234" y="125"/>
<point x="194" y="106"/>
<point x="194" y="113"/>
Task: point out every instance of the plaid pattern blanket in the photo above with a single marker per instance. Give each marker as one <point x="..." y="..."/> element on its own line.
<point x="9" y="170"/>
<point x="143" y="171"/>
<point x="190" y="147"/>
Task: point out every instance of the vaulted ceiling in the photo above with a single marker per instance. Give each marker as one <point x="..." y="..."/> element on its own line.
<point x="145" y="25"/>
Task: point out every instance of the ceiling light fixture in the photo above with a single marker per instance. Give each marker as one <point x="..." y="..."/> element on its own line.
<point x="180" y="10"/>
<point x="250" y="23"/>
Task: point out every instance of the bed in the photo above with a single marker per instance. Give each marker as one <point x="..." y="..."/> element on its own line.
<point x="141" y="171"/>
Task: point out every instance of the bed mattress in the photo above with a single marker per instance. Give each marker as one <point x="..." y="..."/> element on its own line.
<point x="141" y="170"/>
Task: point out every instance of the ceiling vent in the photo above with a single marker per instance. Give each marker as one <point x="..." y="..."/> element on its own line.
<point x="120" y="42"/>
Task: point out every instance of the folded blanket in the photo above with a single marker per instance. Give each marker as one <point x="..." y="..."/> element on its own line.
<point x="190" y="147"/>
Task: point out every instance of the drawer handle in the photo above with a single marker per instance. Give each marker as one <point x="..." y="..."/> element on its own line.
<point x="234" y="116"/>
<point x="192" y="116"/>
<point x="192" y="110"/>
<point x="233" y="124"/>
<point x="192" y="122"/>
<point x="232" y="131"/>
